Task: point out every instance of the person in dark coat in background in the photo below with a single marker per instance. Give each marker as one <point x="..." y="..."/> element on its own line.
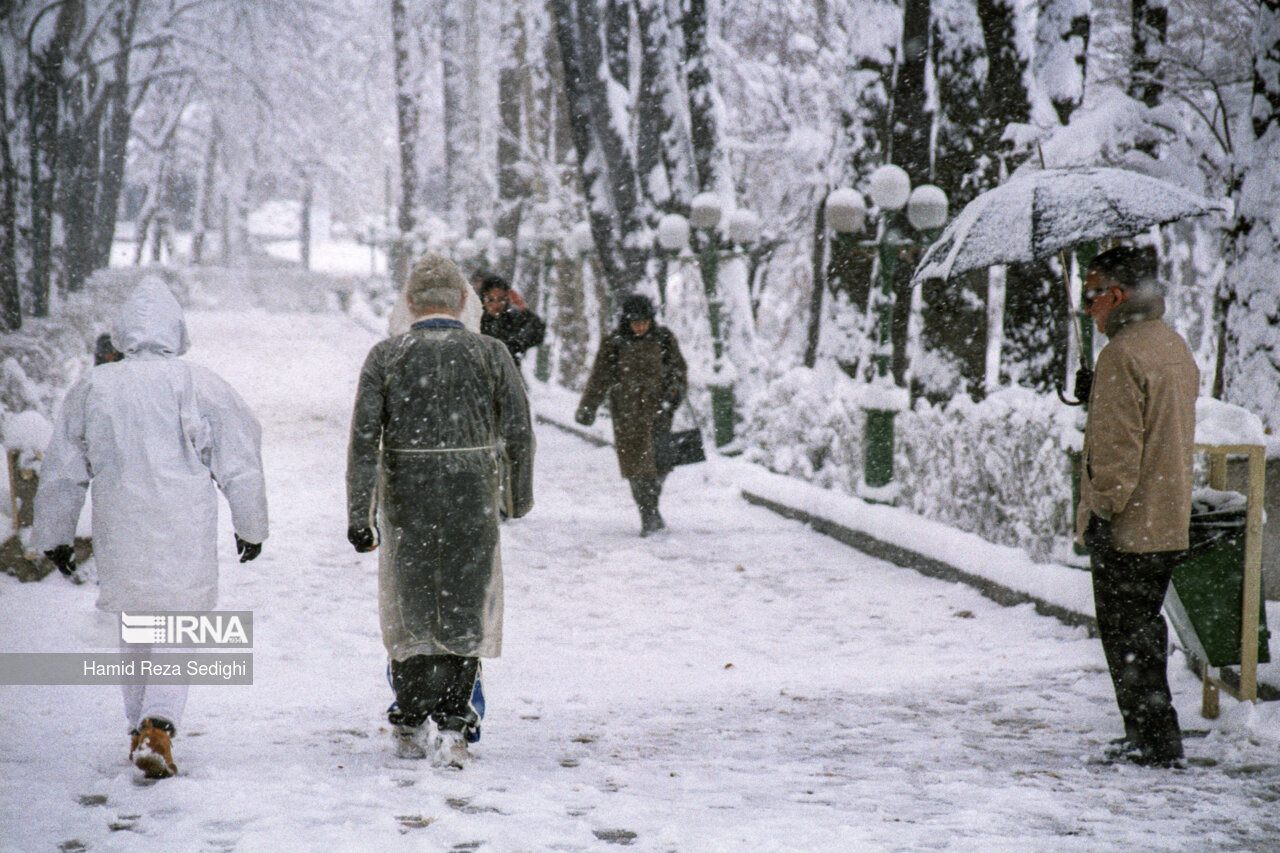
<point x="507" y="318"/>
<point x="441" y="420"/>
<point x="104" y="352"/>
<point x="640" y="368"/>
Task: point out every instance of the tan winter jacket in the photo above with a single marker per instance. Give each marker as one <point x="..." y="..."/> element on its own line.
<point x="1140" y="432"/>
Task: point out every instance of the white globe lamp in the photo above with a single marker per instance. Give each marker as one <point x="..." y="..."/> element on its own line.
<point x="744" y="227"/>
<point x="705" y="211"/>
<point x="846" y="211"/>
<point x="673" y="232"/>
<point x="927" y="208"/>
<point x="890" y="187"/>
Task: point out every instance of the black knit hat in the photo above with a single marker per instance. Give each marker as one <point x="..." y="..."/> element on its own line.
<point x="636" y="308"/>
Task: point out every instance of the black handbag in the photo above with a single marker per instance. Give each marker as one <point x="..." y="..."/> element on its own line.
<point x="677" y="448"/>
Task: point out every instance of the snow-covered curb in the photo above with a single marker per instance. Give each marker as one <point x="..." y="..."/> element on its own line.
<point x="1002" y="574"/>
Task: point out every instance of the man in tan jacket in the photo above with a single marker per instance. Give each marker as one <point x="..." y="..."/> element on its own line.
<point x="1135" y="491"/>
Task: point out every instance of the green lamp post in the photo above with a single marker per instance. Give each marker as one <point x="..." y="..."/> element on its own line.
<point x="926" y="212"/>
<point x="741" y="229"/>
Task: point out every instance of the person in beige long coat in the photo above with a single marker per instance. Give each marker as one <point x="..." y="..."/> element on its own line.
<point x="1135" y="491"/>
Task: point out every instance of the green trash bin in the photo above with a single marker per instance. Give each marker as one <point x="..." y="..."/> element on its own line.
<point x="1206" y="596"/>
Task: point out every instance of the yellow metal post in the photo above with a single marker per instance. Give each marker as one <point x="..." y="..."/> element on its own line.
<point x="1209" y="708"/>
<point x="1250" y="598"/>
<point x="1252" y="577"/>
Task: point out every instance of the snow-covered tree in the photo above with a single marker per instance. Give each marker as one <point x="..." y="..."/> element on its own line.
<point x="1150" y="31"/>
<point x="1061" y="53"/>
<point x="1252" y="356"/>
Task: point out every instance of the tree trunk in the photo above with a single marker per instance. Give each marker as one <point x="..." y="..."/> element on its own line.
<point x="1252" y="378"/>
<point x="814" y="334"/>
<point x="204" y="197"/>
<point x="654" y="122"/>
<point x="911" y="129"/>
<point x="115" y="143"/>
<point x="513" y="89"/>
<point x="10" y="288"/>
<point x="702" y="118"/>
<point x="407" y="129"/>
<point x="44" y="92"/>
<point x="304" y="221"/>
<point x="570" y="324"/>
<point x="1150" y="28"/>
<point x="459" y="130"/>
<point x="604" y="162"/>
<point x="79" y="179"/>
<point x="912" y="122"/>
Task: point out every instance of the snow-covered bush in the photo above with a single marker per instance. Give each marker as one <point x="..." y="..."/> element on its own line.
<point x="41" y="360"/>
<point x="807" y="423"/>
<point x="999" y="468"/>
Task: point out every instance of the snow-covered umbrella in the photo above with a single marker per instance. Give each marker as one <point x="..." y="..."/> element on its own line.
<point x="1039" y="214"/>
<point x="1044" y="213"/>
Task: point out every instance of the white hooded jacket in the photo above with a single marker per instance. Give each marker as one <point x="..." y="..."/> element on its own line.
<point x="153" y="435"/>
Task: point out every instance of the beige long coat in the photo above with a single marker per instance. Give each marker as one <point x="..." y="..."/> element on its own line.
<point x="1140" y="432"/>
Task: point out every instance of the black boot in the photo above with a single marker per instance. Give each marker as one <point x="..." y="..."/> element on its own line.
<point x="645" y="492"/>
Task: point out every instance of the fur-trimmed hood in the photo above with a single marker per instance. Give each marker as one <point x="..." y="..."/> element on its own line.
<point x="1141" y="305"/>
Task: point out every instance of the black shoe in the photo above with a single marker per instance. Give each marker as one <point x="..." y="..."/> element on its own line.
<point x="1127" y="751"/>
<point x="650" y="522"/>
<point x="1121" y="747"/>
<point x="1166" y="756"/>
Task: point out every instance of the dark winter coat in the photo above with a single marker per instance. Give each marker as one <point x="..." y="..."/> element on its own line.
<point x="519" y="330"/>
<point x="644" y="378"/>
<point x="441" y="419"/>
<point x="1140" y="433"/>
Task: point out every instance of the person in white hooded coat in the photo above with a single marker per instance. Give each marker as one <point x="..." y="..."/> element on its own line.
<point x="152" y="435"/>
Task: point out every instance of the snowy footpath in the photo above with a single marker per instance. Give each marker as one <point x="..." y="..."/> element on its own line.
<point x="737" y="684"/>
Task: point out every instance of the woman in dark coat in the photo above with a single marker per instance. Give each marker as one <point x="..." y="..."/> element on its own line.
<point x="640" y="368"/>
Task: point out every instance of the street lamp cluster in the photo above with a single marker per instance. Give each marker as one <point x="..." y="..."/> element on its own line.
<point x="741" y="229"/>
<point x="846" y="214"/>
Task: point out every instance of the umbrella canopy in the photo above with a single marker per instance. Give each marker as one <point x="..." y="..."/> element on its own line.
<point x="1039" y="214"/>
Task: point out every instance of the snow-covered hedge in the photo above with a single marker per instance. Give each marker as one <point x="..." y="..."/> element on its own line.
<point x="999" y="468"/>
<point x="39" y="361"/>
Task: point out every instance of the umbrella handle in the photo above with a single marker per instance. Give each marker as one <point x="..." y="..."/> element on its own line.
<point x="1062" y="395"/>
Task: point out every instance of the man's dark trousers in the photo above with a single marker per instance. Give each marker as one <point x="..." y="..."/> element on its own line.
<point x="435" y="686"/>
<point x="1128" y="591"/>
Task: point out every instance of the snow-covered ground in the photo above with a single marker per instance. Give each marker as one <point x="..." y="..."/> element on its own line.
<point x="740" y="683"/>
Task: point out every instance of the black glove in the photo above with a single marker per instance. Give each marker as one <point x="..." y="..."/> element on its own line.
<point x="669" y="405"/>
<point x="364" y="539"/>
<point x="247" y="550"/>
<point x="64" y="557"/>
<point x="585" y="416"/>
<point x="1097" y="535"/>
<point x="1084" y="383"/>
